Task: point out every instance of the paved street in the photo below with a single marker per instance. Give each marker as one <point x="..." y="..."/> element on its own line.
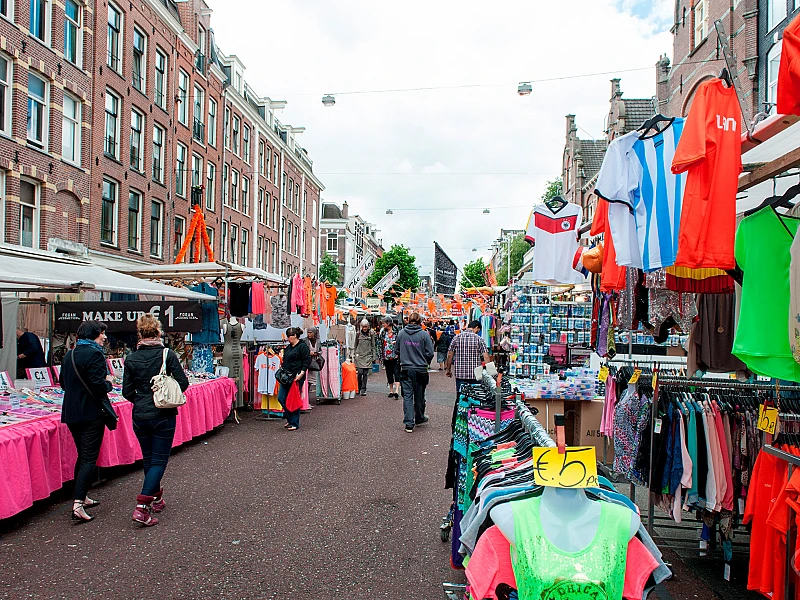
<point x="347" y="507"/>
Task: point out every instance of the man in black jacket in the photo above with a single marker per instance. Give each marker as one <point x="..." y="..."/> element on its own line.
<point x="416" y="351"/>
<point x="30" y="354"/>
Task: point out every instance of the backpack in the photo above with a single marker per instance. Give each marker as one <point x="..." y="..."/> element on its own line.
<point x="166" y="391"/>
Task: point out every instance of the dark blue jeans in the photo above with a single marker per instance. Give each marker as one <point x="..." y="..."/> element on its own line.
<point x="155" y="438"/>
<point x="413" y="384"/>
<point x="292" y="417"/>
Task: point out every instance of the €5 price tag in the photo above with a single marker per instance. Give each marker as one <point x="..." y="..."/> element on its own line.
<point x="767" y="419"/>
<point x="575" y="468"/>
<point x="603" y="375"/>
<point x="635" y="377"/>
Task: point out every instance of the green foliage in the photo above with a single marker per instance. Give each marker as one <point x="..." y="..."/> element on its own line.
<point x="518" y="249"/>
<point x="404" y="260"/>
<point x="553" y="189"/>
<point x="474" y="274"/>
<point x="329" y="271"/>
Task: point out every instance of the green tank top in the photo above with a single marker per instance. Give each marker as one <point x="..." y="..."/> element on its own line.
<point x="544" y="572"/>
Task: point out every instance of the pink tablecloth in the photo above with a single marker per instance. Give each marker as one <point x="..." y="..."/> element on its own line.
<point x="37" y="458"/>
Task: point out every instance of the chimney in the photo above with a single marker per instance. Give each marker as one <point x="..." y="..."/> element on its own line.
<point x="571" y="128"/>
<point x="662" y="82"/>
<point x="616" y="91"/>
<point x="345" y="210"/>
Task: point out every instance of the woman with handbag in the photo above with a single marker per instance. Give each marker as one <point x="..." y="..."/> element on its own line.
<point x="154" y="427"/>
<point x="86" y="383"/>
<point x="296" y="360"/>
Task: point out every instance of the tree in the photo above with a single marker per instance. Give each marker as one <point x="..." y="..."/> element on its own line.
<point x="474" y="274"/>
<point x="553" y="188"/>
<point x="329" y="270"/>
<point x="406" y="262"/>
<point x="518" y="249"/>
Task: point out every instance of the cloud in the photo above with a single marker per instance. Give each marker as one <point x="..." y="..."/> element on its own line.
<point x="442" y="148"/>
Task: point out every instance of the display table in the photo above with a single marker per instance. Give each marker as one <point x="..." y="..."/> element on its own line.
<point x="38" y="456"/>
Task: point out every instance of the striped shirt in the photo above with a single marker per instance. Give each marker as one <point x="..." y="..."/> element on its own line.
<point x="468" y="349"/>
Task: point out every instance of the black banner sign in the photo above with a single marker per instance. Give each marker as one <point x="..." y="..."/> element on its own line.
<point x="178" y="316"/>
<point x="445" y="273"/>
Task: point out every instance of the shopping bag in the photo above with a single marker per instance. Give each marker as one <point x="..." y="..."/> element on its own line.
<point x="294" y="401"/>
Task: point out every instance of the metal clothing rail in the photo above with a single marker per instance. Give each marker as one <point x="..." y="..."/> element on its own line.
<point x="724" y="383"/>
<point x="532" y="425"/>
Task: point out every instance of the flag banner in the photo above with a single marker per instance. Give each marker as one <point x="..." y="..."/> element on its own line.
<point x="445" y="272"/>
<point x="387" y="281"/>
<point x="491" y="276"/>
<point x="361" y="272"/>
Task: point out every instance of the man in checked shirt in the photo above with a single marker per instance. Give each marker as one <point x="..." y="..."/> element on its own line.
<point x="467" y="351"/>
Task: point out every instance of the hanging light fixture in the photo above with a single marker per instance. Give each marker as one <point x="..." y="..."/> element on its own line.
<point x="474" y="249"/>
<point x="328" y="100"/>
<point x="390" y="212"/>
<point x="524" y="88"/>
<point x="486" y="211"/>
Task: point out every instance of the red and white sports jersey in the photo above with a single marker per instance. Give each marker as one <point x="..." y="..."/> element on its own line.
<point x="555" y="237"/>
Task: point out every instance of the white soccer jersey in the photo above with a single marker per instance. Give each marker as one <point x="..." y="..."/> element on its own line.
<point x="555" y="236"/>
<point x="262" y="368"/>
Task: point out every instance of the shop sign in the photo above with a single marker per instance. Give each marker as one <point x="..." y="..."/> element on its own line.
<point x="361" y="273"/>
<point x="387" y="281"/>
<point x="120" y="317"/>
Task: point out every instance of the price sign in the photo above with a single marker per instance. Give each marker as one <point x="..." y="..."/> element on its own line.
<point x="116" y="366"/>
<point x="6" y="382"/>
<point x="635" y="377"/>
<point x="767" y="419"/>
<point x="655" y="379"/>
<point x="603" y="375"/>
<point x="40" y="377"/>
<point x="575" y="468"/>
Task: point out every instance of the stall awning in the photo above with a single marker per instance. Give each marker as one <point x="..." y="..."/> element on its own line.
<point x="204" y="270"/>
<point x="23" y="270"/>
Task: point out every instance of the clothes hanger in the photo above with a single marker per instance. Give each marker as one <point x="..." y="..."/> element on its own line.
<point x="652" y="123"/>
<point x="725" y="75"/>
<point x="784" y="200"/>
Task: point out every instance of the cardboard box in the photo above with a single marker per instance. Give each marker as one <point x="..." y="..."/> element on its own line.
<point x="548" y="409"/>
<point x="587" y="429"/>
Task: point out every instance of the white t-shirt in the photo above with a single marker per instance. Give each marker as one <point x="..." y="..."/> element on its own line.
<point x="555" y="235"/>
<point x="262" y="368"/>
<point x="274" y="365"/>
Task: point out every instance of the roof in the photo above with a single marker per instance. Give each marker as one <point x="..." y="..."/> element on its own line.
<point x="637" y="111"/>
<point x="204" y="270"/>
<point x="592" y="153"/>
<point x="331" y="211"/>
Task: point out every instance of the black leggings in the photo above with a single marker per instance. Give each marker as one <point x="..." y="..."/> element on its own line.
<point x="88" y="438"/>
<point x="392" y="366"/>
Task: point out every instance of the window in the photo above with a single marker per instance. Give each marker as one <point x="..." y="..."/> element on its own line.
<point x="295" y="240"/>
<point x="274" y="257"/>
<point x="158" y="154"/>
<point x="303" y="244"/>
<point x="259" y="247"/>
<point x="210" y="232"/>
<point x="283" y="190"/>
<point x="234" y="201"/>
<point x="773" y="64"/>
<point x="38" y="22"/>
<point x="313" y="250"/>
<point x="314" y="216"/>
<point x="226" y="128"/>
<point x="108" y="213"/>
<point x="197" y="170"/>
<point x="261" y="158"/>
<point x="5" y="95"/>
<point x="700" y="23"/>
<point x="297" y="198"/>
<point x="178" y="233"/>
<point x="261" y="213"/>
<point x="245" y="195"/>
<point x="224" y="247"/>
<point x="134" y="220"/>
<point x="212" y="122"/>
<point x="333" y="241"/>
<point x="114" y="41"/>
<point x="161" y="80"/>
<point x="305" y="205"/>
<point x="37" y="114"/>
<point x="139" y="59"/>
<point x="233" y="247"/>
<point x="776" y="13"/>
<point x="211" y="175"/>
<point x="137" y="141"/>
<point x="244" y="254"/>
<point x="198" y="131"/>
<point x="225" y="195"/>
<point x="275" y="213"/>
<point x="291" y="192"/>
<point x="265" y="216"/>
<point x="274" y="174"/>
<point x="29" y="196"/>
<point x="155" y="229"/>
<point x="246" y="144"/>
<point x="180" y="171"/>
<point x="71" y="130"/>
<point x="235" y="137"/>
<point x="111" y="147"/>
<point x="4" y="8"/>
<point x="200" y="61"/>
<point x="73" y="36"/>
<point x="283" y="233"/>
<point x="183" y="97"/>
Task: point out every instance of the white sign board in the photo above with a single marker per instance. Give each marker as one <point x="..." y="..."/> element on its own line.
<point x="361" y="273"/>
<point x="40" y="377"/>
<point x="116" y="366"/>
<point x="388" y="280"/>
<point x="5" y="382"/>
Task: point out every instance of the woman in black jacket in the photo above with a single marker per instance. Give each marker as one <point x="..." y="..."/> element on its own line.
<point x="154" y="427"/>
<point x="296" y="359"/>
<point x="85" y="385"/>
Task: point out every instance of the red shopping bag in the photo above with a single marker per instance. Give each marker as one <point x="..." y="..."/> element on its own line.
<point x="294" y="401"/>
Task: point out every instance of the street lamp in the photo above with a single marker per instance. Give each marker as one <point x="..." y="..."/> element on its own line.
<point x="390" y="212"/>
<point x="486" y="211"/>
<point x="328" y="100"/>
<point x="524" y="88"/>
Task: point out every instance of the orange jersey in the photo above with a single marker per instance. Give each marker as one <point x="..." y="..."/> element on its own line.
<point x="613" y="276"/>
<point x="789" y="70"/>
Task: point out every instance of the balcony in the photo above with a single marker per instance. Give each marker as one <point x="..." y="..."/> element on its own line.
<point x="199" y="131"/>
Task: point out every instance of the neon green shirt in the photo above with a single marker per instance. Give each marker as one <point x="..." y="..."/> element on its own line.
<point x="545" y="572"/>
<point x="763" y="246"/>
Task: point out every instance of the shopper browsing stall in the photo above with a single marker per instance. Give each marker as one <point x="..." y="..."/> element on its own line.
<point x="296" y="360"/>
<point x="467" y="351"/>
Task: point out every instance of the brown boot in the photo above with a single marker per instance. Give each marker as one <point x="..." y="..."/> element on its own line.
<point x="142" y="512"/>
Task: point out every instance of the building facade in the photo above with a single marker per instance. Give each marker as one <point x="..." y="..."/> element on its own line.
<point x="347" y="238"/>
<point x="773" y="17"/>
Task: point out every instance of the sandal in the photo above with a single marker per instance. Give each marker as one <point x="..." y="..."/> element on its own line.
<point x="78" y="514"/>
<point x="91" y="503"/>
<point x="291" y="428"/>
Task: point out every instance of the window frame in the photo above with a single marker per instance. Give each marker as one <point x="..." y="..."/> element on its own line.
<point x="246" y="143"/>
<point x="702" y="26"/>
<point x="198" y="106"/>
<point x="114" y="203"/>
<point x="78" y="27"/>
<point x="116" y="116"/>
<point x="772" y="20"/>
<point x="245" y="204"/>
<point x="44" y="120"/>
<point x="139" y="166"/>
<point x="161" y="88"/>
<point x="224" y="242"/>
<point x="211" y="136"/>
<point x="225" y="183"/>
<point x="137" y="247"/>
<point x="183" y="97"/>
<point x="35" y="213"/>
<point x="6" y="86"/>
<point x="233" y="249"/>
<point x="114" y="55"/>
<point x="235" y="128"/>
<point x="245" y="247"/>
<point x="197" y="160"/>
<point x="773" y="59"/>
<point x="176" y="246"/>
<point x="233" y="202"/>
<point x="261" y="154"/>
<point x="158" y="176"/>
<point x="159" y="219"/>
<point x="211" y="178"/>
<point x="141" y="54"/>
<point x="46" y="16"/>
<point x="180" y="169"/>
<point x="72" y="123"/>
<point x="335" y="246"/>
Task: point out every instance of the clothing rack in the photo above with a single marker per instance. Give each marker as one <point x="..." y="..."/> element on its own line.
<point x="532" y="425"/>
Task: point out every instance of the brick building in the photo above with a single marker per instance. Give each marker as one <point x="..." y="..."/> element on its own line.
<point x="347" y="238"/>
<point x="46" y="61"/>
<point x="773" y="17"/>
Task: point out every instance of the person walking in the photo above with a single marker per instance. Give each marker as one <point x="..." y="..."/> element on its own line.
<point x="366" y="354"/>
<point x="154" y="427"/>
<point x="296" y="359"/>
<point x="86" y="382"/>
<point x="387" y="349"/>
<point x="416" y="351"/>
<point x="467" y="352"/>
<point x="442" y="346"/>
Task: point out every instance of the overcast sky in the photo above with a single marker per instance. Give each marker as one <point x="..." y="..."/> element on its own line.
<point x="458" y="149"/>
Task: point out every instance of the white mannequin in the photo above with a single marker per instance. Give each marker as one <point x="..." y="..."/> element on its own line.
<point x="568" y="517"/>
<point x="233" y="321"/>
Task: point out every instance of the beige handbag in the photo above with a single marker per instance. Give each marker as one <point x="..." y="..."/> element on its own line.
<point x="166" y="391"/>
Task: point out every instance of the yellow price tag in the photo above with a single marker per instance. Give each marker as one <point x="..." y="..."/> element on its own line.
<point x="767" y="419"/>
<point x="635" y="377"/>
<point x="655" y="379"/>
<point x="603" y="375"/>
<point x="575" y="468"/>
